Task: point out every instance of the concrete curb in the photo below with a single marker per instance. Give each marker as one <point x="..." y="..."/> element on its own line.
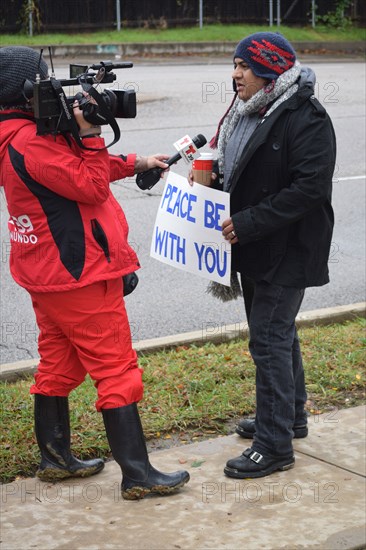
<point x="214" y="333"/>
<point x="133" y="49"/>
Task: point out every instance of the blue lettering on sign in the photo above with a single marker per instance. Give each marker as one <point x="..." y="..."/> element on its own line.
<point x="212" y="215"/>
<point x="170" y="246"/>
<point x="177" y="203"/>
<point x="209" y="258"/>
<point x="167" y="194"/>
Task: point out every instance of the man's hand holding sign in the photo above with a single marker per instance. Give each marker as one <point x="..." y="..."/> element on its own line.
<point x="229" y="232"/>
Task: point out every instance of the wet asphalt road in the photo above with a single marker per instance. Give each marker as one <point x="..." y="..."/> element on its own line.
<point x="189" y="98"/>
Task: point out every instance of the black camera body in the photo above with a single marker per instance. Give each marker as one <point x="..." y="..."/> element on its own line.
<point x="53" y="109"/>
<point x="47" y="109"/>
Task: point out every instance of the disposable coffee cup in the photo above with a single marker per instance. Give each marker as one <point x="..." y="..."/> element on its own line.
<point x="202" y="169"/>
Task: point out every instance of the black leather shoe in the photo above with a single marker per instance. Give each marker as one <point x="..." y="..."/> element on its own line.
<point x="253" y="464"/>
<point x="246" y="428"/>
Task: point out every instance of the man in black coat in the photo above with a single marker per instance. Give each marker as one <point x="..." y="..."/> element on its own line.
<point x="276" y="158"/>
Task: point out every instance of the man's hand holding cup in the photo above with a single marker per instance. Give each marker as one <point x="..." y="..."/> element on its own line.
<point x="202" y="170"/>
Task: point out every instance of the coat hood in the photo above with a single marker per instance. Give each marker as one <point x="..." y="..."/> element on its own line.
<point x="307" y="78"/>
<point x="11" y="122"/>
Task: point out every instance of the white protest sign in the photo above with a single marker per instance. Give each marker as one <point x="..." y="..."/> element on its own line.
<point x="187" y="232"/>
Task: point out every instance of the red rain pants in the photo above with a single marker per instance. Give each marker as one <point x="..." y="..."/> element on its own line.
<point x="87" y="331"/>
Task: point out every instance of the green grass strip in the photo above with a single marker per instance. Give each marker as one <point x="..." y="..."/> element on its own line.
<point x="191" y="392"/>
<point x="209" y="33"/>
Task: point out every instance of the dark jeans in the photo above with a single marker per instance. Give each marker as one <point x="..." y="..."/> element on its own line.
<point x="275" y="348"/>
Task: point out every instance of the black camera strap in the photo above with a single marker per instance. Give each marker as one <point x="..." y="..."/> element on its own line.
<point x="104" y="111"/>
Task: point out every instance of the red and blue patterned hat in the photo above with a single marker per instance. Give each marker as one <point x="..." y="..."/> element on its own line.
<point x="268" y="54"/>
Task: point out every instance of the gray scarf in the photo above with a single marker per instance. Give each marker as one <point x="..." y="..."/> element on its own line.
<point x="284" y="88"/>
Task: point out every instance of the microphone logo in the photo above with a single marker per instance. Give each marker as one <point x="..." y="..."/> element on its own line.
<point x="187" y="149"/>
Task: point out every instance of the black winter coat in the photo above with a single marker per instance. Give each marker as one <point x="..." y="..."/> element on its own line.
<point x="281" y="195"/>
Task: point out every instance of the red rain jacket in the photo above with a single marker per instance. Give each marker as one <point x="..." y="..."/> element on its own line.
<point x="66" y="228"/>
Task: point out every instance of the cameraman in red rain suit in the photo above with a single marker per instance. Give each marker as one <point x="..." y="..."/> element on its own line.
<point x="69" y="250"/>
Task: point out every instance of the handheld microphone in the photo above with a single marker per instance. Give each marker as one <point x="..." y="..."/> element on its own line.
<point x="147" y="180"/>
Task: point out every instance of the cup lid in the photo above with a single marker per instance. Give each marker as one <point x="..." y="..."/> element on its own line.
<point x="206" y="156"/>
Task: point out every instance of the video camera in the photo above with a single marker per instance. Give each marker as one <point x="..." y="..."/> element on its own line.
<point x="53" y="110"/>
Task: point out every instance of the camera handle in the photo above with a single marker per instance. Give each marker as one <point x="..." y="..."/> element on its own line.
<point x="74" y="128"/>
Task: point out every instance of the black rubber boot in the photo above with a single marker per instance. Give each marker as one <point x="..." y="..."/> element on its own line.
<point x="127" y="443"/>
<point x="52" y="427"/>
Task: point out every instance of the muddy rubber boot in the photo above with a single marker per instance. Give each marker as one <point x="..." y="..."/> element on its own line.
<point x="52" y="427"/>
<point x="127" y="443"/>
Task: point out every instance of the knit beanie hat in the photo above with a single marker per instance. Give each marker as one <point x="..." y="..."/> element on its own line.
<point x="17" y="64"/>
<point x="267" y="54"/>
